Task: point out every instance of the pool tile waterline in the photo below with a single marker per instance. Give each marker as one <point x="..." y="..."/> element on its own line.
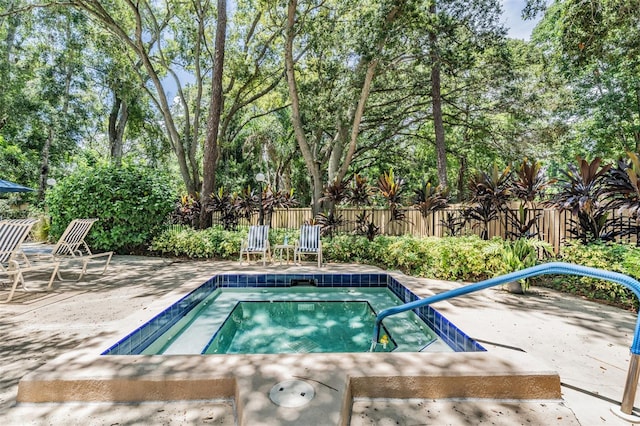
<point x="136" y="341"/>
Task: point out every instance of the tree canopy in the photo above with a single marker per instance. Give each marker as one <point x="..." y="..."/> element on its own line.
<point x="312" y="92"/>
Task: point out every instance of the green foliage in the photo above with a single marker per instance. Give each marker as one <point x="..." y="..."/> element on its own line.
<point x="132" y="204"/>
<point x="520" y="254"/>
<point x="211" y="243"/>
<point x="623" y="258"/>
<point x="186" y="211"/>
<point x="428" y="199"/>
<point x="214" y="242"/>
<point x="490" y="192"/>
<point x="450" y="258"/>
<point x="582" y="190"/>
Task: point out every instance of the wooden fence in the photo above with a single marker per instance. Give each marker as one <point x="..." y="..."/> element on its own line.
<point x="552" y="225"/>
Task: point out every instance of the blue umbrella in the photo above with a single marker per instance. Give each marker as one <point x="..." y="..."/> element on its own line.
<point x="6" y="186"/>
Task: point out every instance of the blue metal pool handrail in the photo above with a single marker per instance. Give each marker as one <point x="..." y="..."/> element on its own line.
<point x="534" y="271"/>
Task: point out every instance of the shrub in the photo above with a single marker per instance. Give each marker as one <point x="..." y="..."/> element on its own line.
<point x="450" y="258"/>
<point x="132" y="204"/>
<point x="211" y="243"/>
<point x="623" y="258"/>
<point x="214" y="242"/>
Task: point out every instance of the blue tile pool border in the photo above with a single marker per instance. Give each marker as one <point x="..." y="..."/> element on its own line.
<point x="136" y="341"/>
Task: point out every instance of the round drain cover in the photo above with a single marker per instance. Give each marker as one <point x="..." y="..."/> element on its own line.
<point x="292" y="393"/>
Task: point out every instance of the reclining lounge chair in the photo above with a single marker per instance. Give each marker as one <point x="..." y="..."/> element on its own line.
<point x="72" y="246"/>
<point x="12" y="234"/>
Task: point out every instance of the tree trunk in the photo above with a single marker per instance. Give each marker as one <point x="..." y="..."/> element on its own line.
<point x="213" y="122"/>
<point x="364" y="95"/>
<point x="312" y="166"/>
<point x="436" y="99"/>
<point x="117" y="123"/>
<point x="337" y="150"/>
<point x="462" y="170"/>
<point x="44" y="165"/>
<point x="357" y="119"/>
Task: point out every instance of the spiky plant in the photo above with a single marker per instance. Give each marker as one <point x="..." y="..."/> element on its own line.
<point x="247" y="202"/>
<point x="453" y="222"/>
<point x="227" y="205"/>
<point x="490" y="193"/>
<point x="186" y="211"/>
<point x="429" y="199"/>
<point x="365" y="226"/>
<point x="622" y="184"/>
<point x="528" y="186"/>
<point x="335" y="193"/>
<point x="391" y="188"/>
<point x="329" y="223"/>
<point x="360" y="193"/>
<point x="582" y="191"/>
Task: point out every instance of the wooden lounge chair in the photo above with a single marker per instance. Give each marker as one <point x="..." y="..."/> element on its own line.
<point x="309" y="243"/>
<point x="257" y="242"/>
<point x="71" y="246"/>
<point x="12" y="234"/>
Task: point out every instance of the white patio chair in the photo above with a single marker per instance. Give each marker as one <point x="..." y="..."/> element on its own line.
<point x="257" y="242"/>
<point x="309" y="243"/>
<point x="71" y="246"/>
<point x="12" y="234"/>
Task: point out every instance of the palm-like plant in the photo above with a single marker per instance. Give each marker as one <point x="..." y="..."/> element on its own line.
<point x="582" y="187"/>
<point x="246" y="202"/>
<point x="490" y="193"/>
<point x="623" y="184"/>
<point x="582" y="192"/>
<point x="225" y="204"/>
<point x="360" y="192"/>
<point x="530" y="182"/>
<point x="429" y="199"/>
<point x="329" y="222"/>
<point x="186" y="211"/>
<point x="365" y="226"/>
<point x="335" y="193"/>
<point x="494" y="187"/>
<point x="528" y="186"/>
<point x="453" y="222"/>
<point x="278" y="199"/>
<point x="391" y="188"/>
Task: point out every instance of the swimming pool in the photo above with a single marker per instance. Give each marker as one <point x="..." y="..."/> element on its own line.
<point x="196" y="323"/>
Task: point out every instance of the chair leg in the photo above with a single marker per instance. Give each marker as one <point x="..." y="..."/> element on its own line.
<point x="16" y="280"/>
<point x="53" y="275"/>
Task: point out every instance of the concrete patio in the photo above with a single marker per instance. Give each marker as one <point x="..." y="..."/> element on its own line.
<point x="586" y="343"/>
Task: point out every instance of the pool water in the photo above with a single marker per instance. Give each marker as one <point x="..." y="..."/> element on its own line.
<point x="294" y="327"/>
<point x="214" y="318"/>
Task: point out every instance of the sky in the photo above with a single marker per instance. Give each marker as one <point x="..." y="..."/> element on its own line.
<point x="511" y="16"/>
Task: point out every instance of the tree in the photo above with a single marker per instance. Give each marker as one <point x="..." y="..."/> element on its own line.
<point x="594" y="45"/>
<point x="215" y="110"/>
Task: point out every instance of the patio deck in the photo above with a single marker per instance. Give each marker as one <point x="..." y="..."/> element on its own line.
<point x="586" y="343"/>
